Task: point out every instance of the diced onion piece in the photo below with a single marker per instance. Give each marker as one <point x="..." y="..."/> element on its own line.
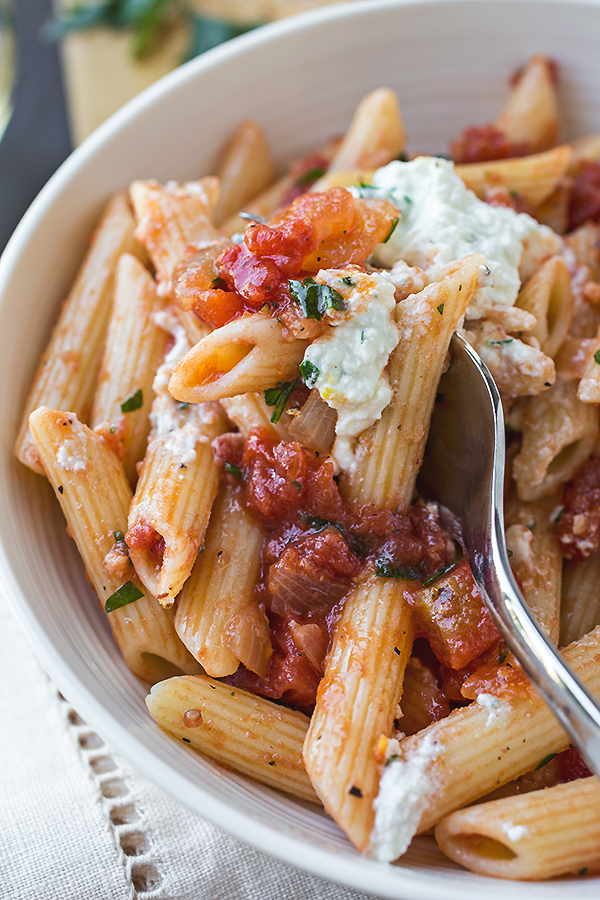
<point x="248" y="637"/>
<point x="296" y="592"/>
<point x="311" y="640"/>
<point x="315" y="426"/>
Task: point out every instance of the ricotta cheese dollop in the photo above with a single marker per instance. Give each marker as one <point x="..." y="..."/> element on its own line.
<point x="351" y="356"/>
<point x="443" y="221"/>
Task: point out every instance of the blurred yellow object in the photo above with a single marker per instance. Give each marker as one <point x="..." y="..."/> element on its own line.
<point x="101" y="75"/>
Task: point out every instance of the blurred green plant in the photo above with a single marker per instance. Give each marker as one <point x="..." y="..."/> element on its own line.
<point x="148" y="21"/>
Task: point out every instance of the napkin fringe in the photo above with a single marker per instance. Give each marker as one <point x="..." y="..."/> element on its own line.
<point x="124" y="818"/>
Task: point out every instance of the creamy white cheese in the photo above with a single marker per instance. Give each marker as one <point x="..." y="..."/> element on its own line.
<point x="351" y="356"/>
<point x="442" y="221"/>
<point x="404" y="790"/>
<point x="492" y="704"/>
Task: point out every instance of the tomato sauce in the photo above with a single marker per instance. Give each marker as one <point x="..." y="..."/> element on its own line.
<point x="578" y="527"/>
<point x="484" y="143"/>
<point x="316" y="545"/>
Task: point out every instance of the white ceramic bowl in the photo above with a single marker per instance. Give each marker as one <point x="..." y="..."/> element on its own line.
<point x="449" y="60"/>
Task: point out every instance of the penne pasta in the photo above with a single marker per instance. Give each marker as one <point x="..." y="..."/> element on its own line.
<point x="135" y="346"/>
<point x="249" y="354"/>
<point x="376" y="134"/>
<point x="90" y="484"/>
<point x="559" y="433"/>
<point x="254" y="736"/>
<point x="66" y="373"/>
<point x="212" y="604"/>
<point x="580" y="603"/>
<point x="530" y="115"/>
<point x="548" y="297"/>
<point x="389" y="452"/>
<point x="172" y="218"/>
<point x="245" y="170"/>
<point x="357" y="702"/>
<point x="513" y="735"/>
<point x="533" y="837"/>
<point x="532" y="177"/>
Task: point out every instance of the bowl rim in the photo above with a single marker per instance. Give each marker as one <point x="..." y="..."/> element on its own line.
<point x="352" y="869"/>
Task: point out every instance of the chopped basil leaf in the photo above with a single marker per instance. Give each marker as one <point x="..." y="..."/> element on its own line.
<point x="278" y="397"/>
<point x="311" y="175"/>
<point x="347" y="280"/>
<point x="386" y="568"/>
<point x="315" y="299"/>
<point x="127" y="593"/>
<point x="231" y="469"/>
<point x="134" y="402"/>
<point x="502" y="657"/>
<point x="119" y="536"/>
<point x="438" y="574"/>
<point x="319" y="524"/>
<point x="543" y="762"/>
<point x="309" y="373"/>
<point x="218" y="284"/>
<point x="297" y="485"/>
<point x="499" y="343"/>
<point x="365" y="186"/>
<point x="391" y="759"/>
<point x="183" y="405"/>
<point x="440" y="309"/>
<point x="113" y="428"/>
<point x="391" y="231"/>
<point x="597" y="357"/>
<point x="362" y="337"/>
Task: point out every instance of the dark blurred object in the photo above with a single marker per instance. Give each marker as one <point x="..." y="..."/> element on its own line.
<point x="36" y="140"/>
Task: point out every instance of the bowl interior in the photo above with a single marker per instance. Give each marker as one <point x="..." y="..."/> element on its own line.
<point x="449" y="62"/>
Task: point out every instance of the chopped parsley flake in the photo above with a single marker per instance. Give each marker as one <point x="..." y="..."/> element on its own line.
<point x="309" y="373"/>
<point x="499" y="343"/>
<point x="231" y="469"/>
<point x="347" y="280"/>
<point x="386" y="568"/>
<point x="119" y="536"/>
<point x="438" y="574"/>
<point x="311" y="175"/>
<point x="440" y="309"/>
<point x="134" y="402"/>
<point x="278" y="397"/>
<point x="297" y="485"/>
<point x="315" y="299"/>
<point x="391" y="759"/>
<point x="597" y="357"/>
<point x="391" y="231"/>
<point x="123" y="596"/>
<point x="543" y="762"/>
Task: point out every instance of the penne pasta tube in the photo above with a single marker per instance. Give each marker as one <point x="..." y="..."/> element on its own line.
<point x="580" y="604"/>
<point x="275" y="196"/>
<point x="530" y="115"/>
<point x="135" y="346"/>
<point x="548" y="296"/>
<point x="559" y="433"/>
<point x="172" y="218"/>
<point x="589" y="386"/>
<point x="245" y="169"/>
<point x="195" y="329"/>
<point x="248" y="411"/>
<point x="252" y="735"/>
<point x="532" y="837"/>
<point x="514" y="731"/>
<point x="66" y="373"/>
<point x="519" y="369"/>
<point x="584" y="149"/>
<point x="536" y="561"/>
<point x="390" y="451"/>
<point x="248" y="354"/>
<point x="94" y="494"/>
<point x="533" y="177"/>
<point x="220" y="587"/>
<point x="376" y="134"/>
<point x="178" y="481"/>
<point x="357" y="702"/>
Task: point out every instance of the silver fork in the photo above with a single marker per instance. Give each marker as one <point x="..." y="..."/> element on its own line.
<point x="463" y="469"/>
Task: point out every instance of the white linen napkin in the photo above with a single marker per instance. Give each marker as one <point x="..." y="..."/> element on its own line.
<point x="77" y="823"/>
